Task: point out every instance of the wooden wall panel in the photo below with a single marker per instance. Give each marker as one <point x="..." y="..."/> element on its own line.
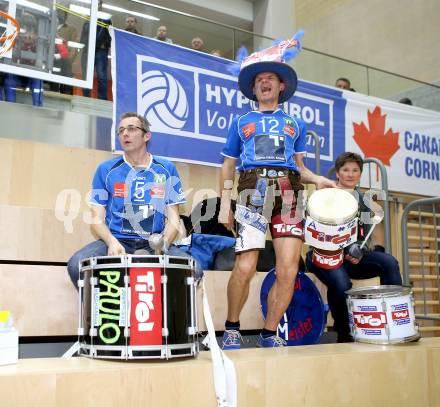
<point x="37" y="172"/>
<point x="33" y="174"/>
<point x="42" y="299"/>
<point x="35" y="234"/>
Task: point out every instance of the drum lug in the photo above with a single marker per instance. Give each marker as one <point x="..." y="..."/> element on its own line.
<point x="192" y="330"/>
<point x="189" y="280"/>
<point x="93" y="281"/>
<point x="81" y="331"/>
<point x="127" y="280"/>
<point x="93" y="332"/>
<point x="165" y="332"/>
<point x="384" y="306"/>
<point x="164" y="279"/>
<point x="126" y="332"/>
<point x="80" y="283"/>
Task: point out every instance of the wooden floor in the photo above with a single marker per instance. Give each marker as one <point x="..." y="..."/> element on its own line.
<point x="321" y="375"/>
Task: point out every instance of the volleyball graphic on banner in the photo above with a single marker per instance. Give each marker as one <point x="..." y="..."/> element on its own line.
<point x="163" y="101"/>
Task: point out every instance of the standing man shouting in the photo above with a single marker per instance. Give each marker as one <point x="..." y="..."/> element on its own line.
<point x="270" y="145"/>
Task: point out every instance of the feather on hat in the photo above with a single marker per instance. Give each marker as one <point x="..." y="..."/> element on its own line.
<point x="272" y="59"/>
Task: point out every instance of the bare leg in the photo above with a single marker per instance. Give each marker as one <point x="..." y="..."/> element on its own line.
<point x="287" y="251"/>
<point x="238" y="285"/>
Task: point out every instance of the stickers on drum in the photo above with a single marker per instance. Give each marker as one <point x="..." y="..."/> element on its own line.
<point x="304" y="321"/>
<point x="331" y="224"/>
<point x="382" y="314"/>
<point x="137" y="307"/>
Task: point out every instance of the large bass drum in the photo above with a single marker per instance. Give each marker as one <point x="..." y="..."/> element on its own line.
<point x="304" y="321"/>
<point x="137" y="307"/>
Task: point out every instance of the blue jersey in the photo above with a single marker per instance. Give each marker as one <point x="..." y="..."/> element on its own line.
<point x="136" y="199"/>
<point x="266" y="139"/>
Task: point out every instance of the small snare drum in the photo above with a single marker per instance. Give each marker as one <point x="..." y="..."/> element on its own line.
<point x="382" y="314"/>
<point x="137" y="307"/>
<point x="331" y="224"/>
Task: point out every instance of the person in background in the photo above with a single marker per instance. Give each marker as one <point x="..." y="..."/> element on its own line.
<point x="162" y="34"/>
<point x="63" y="63"/>
<point x="406" y="101"/>
<point x="102" y="47"/>
<point x="358" y="263"/>
<point x="343" y="83"/>
<point x="25" y="52"/>
<point x="131" y="25"/>
<point x="197" y="44"/>
<point x="217" y="53"/>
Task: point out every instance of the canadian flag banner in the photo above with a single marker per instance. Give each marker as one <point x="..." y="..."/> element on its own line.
<point x="406" y="139"/>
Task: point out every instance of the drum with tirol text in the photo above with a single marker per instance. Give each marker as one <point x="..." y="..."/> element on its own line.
<point x="137" y="307"/>
<point x="382" y="314"/>
<point x="331" y="225"/>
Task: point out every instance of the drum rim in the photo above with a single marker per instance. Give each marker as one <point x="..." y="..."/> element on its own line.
<point x="359" y="293"/>
<point x="328" y="223"/>
<point x="325" y="220"/>
<point x="406" y="339"/>
<point x="126" y="260"/>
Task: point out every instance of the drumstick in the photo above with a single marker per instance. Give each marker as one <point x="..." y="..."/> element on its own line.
<point x="376" y="220"/>
<point x="156" y="241"/>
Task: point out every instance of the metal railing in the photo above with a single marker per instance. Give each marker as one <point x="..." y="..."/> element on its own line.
<point x="385" y="197"/>
<point x="425" y="214"/>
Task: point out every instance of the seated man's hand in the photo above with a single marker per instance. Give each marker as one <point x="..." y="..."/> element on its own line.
<point x="115" y="248"/>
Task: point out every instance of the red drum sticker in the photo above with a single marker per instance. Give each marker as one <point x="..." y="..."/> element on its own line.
<point x="146" y="306"/>
<point x="400" y="314"/>
<point x="370" y="320"/>
<point x="328" y="261"/>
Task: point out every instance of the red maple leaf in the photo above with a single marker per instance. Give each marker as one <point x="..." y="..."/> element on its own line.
<point x="375" y="142"/>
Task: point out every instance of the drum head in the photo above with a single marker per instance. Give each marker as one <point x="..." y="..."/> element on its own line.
<point x="304" y="320"/>
<point x="332" y="206"/>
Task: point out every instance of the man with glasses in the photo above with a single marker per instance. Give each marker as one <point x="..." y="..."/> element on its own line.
<point x="134" y="200"/>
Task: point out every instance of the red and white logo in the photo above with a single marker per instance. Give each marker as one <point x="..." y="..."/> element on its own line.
<point x="157" y="192"/>
<point x="289" y="130"/>
<point x="249" y="129"/>
<point x="328" y="261"/>
<point x="403" y="314"/>
<point x="285" y="229"/>
<point x="336" y="239"/>
<point x="120" y="190"/>
<point x="372" y="320"/>
<point x="146" y="306"/>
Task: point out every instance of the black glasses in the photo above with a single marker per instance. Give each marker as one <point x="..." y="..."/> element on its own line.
<point x="130" y="129"/>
